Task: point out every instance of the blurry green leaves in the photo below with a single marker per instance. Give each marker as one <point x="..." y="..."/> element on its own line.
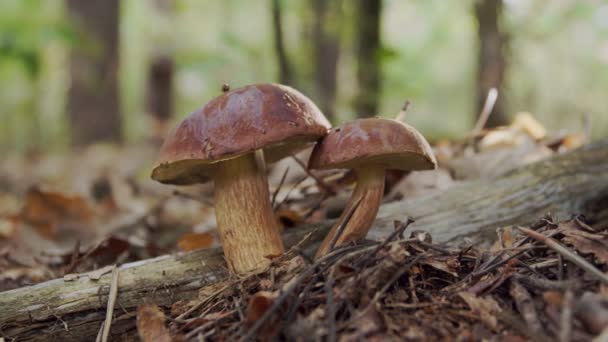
<point x="25" y="29"/>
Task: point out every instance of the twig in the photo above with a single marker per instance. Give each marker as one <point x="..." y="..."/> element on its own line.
<point x="525" y="306"/>
<point x="298" y="182"/>
<point x="401" y="115"/>
<point x="107" y="324"/>
<point x="565" y="332"/>
<point x="343" y="224"/>
<point x="204" y="301"/>
<point x="317" y="179"/>
<point x="276" y="192"/>
<point x="292" y="285"/>
<point x="485" y="111"/>
<point x="559" y="248"/>
<point x="331" y="309"/>
<point x="400" y="227"/>
<point x="391" y="281"/>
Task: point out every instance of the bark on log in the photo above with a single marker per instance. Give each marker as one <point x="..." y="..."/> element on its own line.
<point x="576" y="182"/>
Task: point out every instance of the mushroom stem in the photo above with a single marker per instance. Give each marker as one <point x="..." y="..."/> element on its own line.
<point x="370" y="190"/>
<point x="248" y="228"/>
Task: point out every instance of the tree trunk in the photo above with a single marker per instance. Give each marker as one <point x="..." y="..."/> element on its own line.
<point x="159" y="100"/>
<point x="285" y="73"/>
<point x="368" y="59"/>
<point x="93" y="104"/>
<point x="491" y="58"/>
<point x="576" y="182"/>
<point x="326" y="47"/>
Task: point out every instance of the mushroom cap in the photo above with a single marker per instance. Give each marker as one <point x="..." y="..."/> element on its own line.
<point x="377" y="142"/>
<point x="273" y="117"/>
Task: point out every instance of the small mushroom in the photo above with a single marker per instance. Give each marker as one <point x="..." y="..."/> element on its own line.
<point x="368" y="147"/>
<point x="228" y="141"/>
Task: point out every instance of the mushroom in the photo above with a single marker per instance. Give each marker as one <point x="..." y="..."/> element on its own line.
<point x="368" y="147"/>
<point x="227" y="141"/>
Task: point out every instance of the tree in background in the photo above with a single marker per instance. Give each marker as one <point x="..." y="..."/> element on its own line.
<point x="159" y="87"/>
<point x="491" y="58"/>
<point x="327" y="22"/>
<point x="368" y="57"/>
<point x="285" y="71"/>
<point x="93" y="104"/>
<point x="159" y="96"/>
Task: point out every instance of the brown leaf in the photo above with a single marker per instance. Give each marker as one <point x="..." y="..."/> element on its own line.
<point x="585" y="242"/>
<point x="258" y="305"/>
<point x="288" y="217"/>
<point x="486" y="307"/>
<point x="192" y="241"/>
<point x="45" y="211"/>
<point x="7" y="227"/>
<point x="151" y="324"/>
<point x="447" y="265"/>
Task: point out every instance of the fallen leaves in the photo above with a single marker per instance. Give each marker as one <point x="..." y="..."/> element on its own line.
<point x="192" y="241"/>
<point x="151" y="324"/>
<point x="410" y="288"/>
<point x="47" y="211"/>
<point x="585" y="241"/>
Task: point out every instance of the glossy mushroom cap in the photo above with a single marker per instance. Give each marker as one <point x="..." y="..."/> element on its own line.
<point x="276" y="118"/>
<point x="373" y="142"/>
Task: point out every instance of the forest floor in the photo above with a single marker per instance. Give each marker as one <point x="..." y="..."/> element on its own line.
<point x="85" y="210"/>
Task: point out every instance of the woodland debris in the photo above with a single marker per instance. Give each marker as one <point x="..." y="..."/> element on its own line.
<point x="389" y="290"/>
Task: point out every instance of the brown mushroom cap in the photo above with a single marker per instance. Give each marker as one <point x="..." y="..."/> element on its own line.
<point x="376" y="142"/>
<point x="276" y="118"/>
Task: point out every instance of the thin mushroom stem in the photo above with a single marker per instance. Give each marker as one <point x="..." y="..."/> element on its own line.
<point x="365" y="200"/>
<point x="248" y="228"/>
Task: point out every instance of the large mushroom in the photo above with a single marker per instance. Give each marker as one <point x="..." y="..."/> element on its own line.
<point x="228" y="141"/>
<point x="368" y="147"/>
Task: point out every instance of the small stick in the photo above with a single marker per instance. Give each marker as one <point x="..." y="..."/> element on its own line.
<point x="331" y="310"/>
<point x="485" y="111"/>
<point x="291" y="286"/>
<point x="343" y="224"/>
<point x="401" y="115"/>
<point x="565" y="332"/>
<point x="317" y="179"/>
<point x="568" y="254"/>
<point x="295" y="185"/>
<point x="400" y="227"/>
<point x="110" y="308"/>
<point x="525" y="306"/>
<point x="276" y="192"/>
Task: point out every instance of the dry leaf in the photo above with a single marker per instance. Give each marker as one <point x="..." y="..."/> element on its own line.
<point x="527" y="123"/>
<point x="288" y="217"/>
<point x="7" y="227"/>
<point x="192" y="241"/>
<point x="258" y="305"/>
<point x="440" y="263"/>
<point x="592" y="310"/>
<point x="486" y="307"/>
<point x="151" y="324"/>
<point x="45" y="211"/>
<point x="585" y="242"/>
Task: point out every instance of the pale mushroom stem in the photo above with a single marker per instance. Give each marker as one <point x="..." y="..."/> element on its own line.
<point x="367" y="197"/>
<point x="248" y="228"/>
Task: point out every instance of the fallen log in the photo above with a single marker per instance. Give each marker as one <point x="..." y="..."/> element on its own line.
<point x="575" y="182"/>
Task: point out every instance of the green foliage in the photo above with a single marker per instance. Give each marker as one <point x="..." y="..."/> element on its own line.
<point x="557" y="66"/>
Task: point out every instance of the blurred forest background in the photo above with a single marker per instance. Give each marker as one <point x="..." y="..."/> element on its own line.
<point x="75" y="72"/>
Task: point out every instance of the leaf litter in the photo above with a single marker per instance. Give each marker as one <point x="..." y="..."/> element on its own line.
<point x="405" y="287"/>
